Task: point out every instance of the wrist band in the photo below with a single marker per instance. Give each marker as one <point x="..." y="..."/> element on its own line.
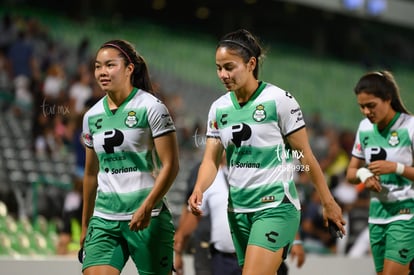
<point x="400" y="168"/>
<point x="297" y="242"/>
<point x="364" y="173"/>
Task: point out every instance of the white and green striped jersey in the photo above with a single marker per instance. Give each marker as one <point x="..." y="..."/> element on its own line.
<point x="123" y="142"/>
<point x="259" y="161"/>
<point x="395" y="143"/>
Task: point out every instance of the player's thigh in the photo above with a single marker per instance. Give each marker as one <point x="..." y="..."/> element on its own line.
<point x="377" y="242"/>
<point x="101" y="269"/>
<point x="103" y="245"/>
<point x="271" y="229"/>
<point x="393" y="242"/>
<point x="400" y="241"/>
<point x="275" y="228"/>
<point x="259" y="260"/>
<point x="391" y="268"/>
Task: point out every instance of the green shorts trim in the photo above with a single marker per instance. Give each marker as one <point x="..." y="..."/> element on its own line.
<point x="112" y="243"/>
<point x="272" y="228"/>
<point x="393" y="241"/>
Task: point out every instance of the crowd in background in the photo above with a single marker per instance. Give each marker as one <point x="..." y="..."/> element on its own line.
<point x="51" y="84"/>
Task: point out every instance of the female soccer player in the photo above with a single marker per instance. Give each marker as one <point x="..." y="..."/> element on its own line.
<point x="131" y="162"/>
<point x="382" y="159"/>
<point x="261" y="129"/>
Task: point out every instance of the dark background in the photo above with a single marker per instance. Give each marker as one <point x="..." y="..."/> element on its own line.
<point x="339" y="34"/>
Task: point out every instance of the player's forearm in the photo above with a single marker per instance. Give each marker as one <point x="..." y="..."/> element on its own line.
<point x="318" y="179"/>
<point x="206" y="175"/>
<point x="163" y="183"/>
<point x="188" y="224"/>
<point x="89" y="196"/>
<point x="167" y="150"/>
<point x="351" y="176"/>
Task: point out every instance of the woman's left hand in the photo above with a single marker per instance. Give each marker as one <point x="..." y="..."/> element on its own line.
<point x="380" y="167"/>
<point x="332" y="212"/>
<point x="141" y="219"/>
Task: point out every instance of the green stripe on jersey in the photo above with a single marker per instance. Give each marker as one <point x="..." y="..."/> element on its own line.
<point x="373" y="138"/>
<point x="120" y="203"/>
<point x="268" y="108"/>
<point x="125" y="120"/>
<point x="253" y="198"/>
<point x="381" y="212"/>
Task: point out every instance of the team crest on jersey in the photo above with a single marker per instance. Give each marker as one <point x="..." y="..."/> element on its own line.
<point x="259" y="114"/>
<point x="394" y="140"/>
<point x="131" y="119"/>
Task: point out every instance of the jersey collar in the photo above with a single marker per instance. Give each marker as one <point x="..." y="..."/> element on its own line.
<point x="256" y="93"/>
<point x="120" y="107"/>
<point x="385" y="131"/>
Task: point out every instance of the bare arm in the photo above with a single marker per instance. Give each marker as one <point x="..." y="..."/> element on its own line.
<point x="167" y="150"/>
<point x="186" y="226"/>
<point x="380" y="167"/>
<point x="297" y="251"/>
<point x="355" y="175"/>
<point x="207" y="173"/>
<point x="351" y="172"/>
<point x="370" y="177"/>
<point x="90" y="184"/>
<point x="299" y="141"/>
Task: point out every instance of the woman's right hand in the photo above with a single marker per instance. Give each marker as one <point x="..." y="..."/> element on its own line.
<point x="179" y="264"/>
<point x="83" y="235"/>
<point x="373" y="183"/>
<point x="194" y="202"/>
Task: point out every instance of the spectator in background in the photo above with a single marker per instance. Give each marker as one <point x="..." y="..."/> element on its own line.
<point x="382" y="158"/>
<point x="97" y="94"/>
<point x="316" y="237"/>
<point x="220" y="255"/>
<point x="6" y="84"/>
<point x="8" y="32"/>
<point x="69" y="231"/>
<point x="78" y="147"/>
<point x="84" y="57"/>
<point x="54" y="86"/>
<point x="199" y="229"/>
<point x="22" y="65"/>
<point x="335" y="162"/>
<point x="23" y="98"/>
<point x="80" y="90"/>
<point x="20" y="55"/>
<point x="358" y="238"/>
<point x="329" y="152"/>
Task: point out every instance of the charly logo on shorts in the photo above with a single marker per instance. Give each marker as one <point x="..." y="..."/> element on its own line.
<point x="260" y="113"/>
<point x="131" y="119"/>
